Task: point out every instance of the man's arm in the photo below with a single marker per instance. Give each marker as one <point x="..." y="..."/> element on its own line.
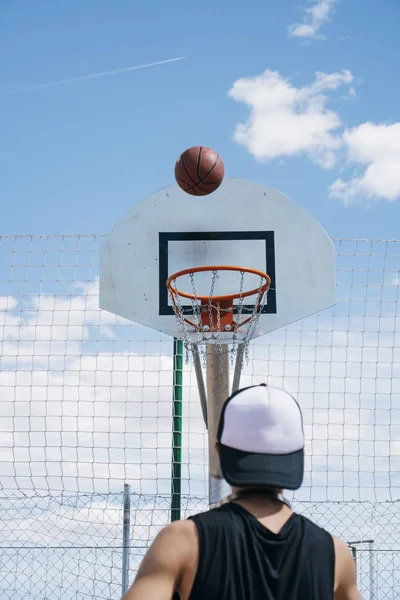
<point x="345" y="573"/>
<point x="163" y="567"/>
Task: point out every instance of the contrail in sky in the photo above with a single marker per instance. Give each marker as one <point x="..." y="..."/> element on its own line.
<point x="93" y="76"/>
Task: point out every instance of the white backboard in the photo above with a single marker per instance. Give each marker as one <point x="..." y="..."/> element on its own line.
<point x="242" y="223"/>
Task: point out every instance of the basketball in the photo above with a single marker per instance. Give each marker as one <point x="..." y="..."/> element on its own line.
<point x="199" y="171"/>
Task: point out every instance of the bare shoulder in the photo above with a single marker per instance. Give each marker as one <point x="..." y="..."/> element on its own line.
<point x="180" y="530"/>
<point x="345" y="572"/>
<point x="174" y="544"/>
<point x="186" y="527"/>
<point x="178" y="537"/>
<point x="166" y="564"/>
<point x="341" y="547"/>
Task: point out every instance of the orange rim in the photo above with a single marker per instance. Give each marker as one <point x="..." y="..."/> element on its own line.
<point x="227" y="297"/>
<point x="226" y="301"/>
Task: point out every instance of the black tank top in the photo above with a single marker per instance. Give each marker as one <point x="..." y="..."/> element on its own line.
<point x="240" y="559"/>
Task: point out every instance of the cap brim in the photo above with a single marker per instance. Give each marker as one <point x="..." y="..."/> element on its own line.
<point x="283" y="471"/>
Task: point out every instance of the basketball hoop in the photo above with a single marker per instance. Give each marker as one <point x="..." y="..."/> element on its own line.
<point x="218" y="319"/>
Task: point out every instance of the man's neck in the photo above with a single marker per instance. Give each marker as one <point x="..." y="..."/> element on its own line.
<point x="271" y="509"/>
<point x="259" y="496"/>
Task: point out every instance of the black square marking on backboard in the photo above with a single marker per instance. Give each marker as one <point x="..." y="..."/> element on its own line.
<point x="165" y="237"/>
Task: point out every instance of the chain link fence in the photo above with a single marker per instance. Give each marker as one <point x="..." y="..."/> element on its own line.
<point x="85" y="405"/>
<point x="70" y="547"/>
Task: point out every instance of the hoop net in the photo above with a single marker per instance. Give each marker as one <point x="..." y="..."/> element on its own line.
<point x="214" y="318"/>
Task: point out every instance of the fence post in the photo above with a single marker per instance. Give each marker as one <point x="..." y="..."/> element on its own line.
<point x="126" y="541"/>
<point x="372" y="569"/>
<point x="371" y="561"/>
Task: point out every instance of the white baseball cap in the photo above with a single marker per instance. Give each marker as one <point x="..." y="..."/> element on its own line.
<point x="261" y="439"/>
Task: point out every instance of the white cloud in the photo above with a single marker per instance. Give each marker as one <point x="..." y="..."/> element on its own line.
<point x="74" y="417"/>
<point x="375" y="150"/>
<point x="71" y="419"/>
<point x="90" y="421"/>
<point x="7" y="303"/>
<point x="314" y="18"/>
<point x="286" y="120"/>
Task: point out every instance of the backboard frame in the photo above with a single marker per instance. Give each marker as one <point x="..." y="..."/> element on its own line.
<point x="165" y="237"/>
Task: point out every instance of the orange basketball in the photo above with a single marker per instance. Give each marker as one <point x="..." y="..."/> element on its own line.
<point x="199" y="171"/>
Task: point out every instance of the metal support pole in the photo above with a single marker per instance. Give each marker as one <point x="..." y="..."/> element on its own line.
<point x="126" y="541"/>
<point x="238" y="368"/>
<point x="200" y="382"/>
<point x="217" y="393"/>
<point x="176" y="467"/>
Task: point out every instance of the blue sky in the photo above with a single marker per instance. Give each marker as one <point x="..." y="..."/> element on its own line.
<point x="75" y="157"/>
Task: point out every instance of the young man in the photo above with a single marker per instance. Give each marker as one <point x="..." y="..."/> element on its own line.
<point x="254" y="547"/>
